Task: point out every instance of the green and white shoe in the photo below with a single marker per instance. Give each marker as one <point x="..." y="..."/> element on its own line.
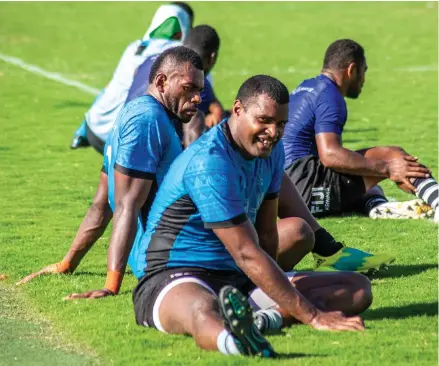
<point x="351" y="259"/>
<point x="238" y="320"/>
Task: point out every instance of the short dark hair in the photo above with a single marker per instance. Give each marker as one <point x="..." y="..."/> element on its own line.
<point x="343" y="52"/>
<point x="263" y="84"/>
<point x="174" y="57"/>
<point x="187" y="8"/>
<point x="203" y="39"/>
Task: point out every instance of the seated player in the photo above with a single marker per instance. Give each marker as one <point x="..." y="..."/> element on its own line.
<point x="169" y="27"/>
<point x="213" y="224"/>
<point x="331" y="178"/>
<point x="204" y="40"/>
<point x="138" y="154"/>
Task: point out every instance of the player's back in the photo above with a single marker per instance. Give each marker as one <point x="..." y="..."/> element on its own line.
<point x="311" y="103"/>
<point x="209" y="183"/>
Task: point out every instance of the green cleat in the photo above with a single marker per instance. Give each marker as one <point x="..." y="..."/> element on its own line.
<point x="238" y="319"/>
<point x="355" y="260"/>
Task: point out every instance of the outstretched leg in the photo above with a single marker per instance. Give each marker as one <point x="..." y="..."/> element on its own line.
<point x="348" y="292"/>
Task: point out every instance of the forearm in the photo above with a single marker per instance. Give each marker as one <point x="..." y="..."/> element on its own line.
<point x="350" y="162"/>
<point x="91" y="229"/>
<point x="265" y="274"/>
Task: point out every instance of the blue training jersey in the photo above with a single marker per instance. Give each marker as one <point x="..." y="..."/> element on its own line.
<point x="210" y="185"/>
<point x="315" y="106"/>
<point x="142" y="144"/>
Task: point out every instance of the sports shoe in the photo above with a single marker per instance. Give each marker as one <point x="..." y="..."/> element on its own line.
<point x="351" y="259"/>
<point x="79" y="141"/>
<point x="414" y="209"/>
<point x="238" y="320"/>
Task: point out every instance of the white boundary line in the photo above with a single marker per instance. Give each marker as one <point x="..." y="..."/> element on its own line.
<point x="91" y="90"/>
<point x="49" y="75"/>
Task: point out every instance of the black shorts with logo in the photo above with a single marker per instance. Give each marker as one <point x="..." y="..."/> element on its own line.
<point x="325" y="191"/>
<point x="149" y="288"/>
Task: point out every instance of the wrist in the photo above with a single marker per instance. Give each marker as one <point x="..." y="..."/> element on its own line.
<point x="114" y="281"/>
<point x="63" y="266"/>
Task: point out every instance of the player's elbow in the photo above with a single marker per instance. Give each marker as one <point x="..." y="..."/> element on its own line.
<point x="330" y="158"/>
<point x="246" y="257"/>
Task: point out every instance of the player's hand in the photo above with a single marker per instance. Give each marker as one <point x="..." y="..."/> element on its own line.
<point x="52" y="268"/>
<point x="405" y="167"/>
<point x="94" y="294"/>
<point x="335" y="320"/>
<point x="211" y="121"/>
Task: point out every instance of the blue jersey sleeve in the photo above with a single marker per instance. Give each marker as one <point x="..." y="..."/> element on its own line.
<point x="278" y="161"/>
<point x="141" y="146"/>
<point x="330" y="113"/>
<point x="213" y="186"/>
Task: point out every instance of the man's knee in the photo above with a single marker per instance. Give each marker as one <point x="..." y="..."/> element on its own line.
<point x="363" y="288"/>
<point x="395" y="151"/>
<point x="300" y="232"/>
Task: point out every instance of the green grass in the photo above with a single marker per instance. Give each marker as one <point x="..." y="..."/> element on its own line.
<point x="46" y="188"/>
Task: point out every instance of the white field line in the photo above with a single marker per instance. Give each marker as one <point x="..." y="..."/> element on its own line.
<point x="47" y="74"/>
<point x="243" y="72"/>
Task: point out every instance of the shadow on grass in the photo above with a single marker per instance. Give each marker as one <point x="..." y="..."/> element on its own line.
<point x="354" y="130"/>
<point x="89" y="273"/>
<point x="72" y="103"/>
<point x="401" y="270"/>
<point x="287" y="356"/>
<point x="394" y="312"/>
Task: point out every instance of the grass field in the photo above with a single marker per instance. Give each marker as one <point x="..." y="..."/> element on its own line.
<point x="45" y="188"/>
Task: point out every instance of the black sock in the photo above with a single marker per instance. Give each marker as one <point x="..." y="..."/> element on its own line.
<point x="427" y="190"/>
<point x="373" y="201"/>
<point x="325" y="244"/>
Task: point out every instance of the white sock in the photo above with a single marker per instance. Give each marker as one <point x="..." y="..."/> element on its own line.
<point x="226" y="343"/>
<point x="274" y="318"/>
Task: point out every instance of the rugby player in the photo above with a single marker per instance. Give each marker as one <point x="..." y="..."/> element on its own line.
<point x="138" y="153"/>
<point x="331" y="178"/>
<point x="213" y="224"/>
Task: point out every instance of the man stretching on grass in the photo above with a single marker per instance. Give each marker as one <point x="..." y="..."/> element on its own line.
<point x="332" y="179"/>
<point x="138" y="153"/>
<point x="213" y="224"/>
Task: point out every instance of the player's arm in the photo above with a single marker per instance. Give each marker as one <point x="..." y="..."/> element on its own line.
<point x="91" y="229"/>
<point x="333" y="155"/>
<point x="193" y="129"/>
<point x="242" y="243"/>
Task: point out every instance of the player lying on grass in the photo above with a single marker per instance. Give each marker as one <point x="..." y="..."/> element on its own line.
<point x="331" y="178"/>
<point x="213" y="225"/>
<point x="204" y="40"/>
<point x="169" y="27"/>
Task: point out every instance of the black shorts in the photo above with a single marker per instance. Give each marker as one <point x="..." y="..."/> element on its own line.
<point x="325" y="191"/>
<point x="94" y="141"/>
<point x="150" y="291"/>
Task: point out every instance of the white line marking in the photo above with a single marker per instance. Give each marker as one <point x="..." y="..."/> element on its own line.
<point x="223" y="73"/>
<point x="50" y="75"/>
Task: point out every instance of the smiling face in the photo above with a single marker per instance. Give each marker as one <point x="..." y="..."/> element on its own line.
<point x="181" y="89"/>
<point x="260" y="125"/>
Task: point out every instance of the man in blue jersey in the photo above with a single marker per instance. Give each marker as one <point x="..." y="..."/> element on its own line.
<point x="170" y="25"/>
<point x="331" y="178"/>
<point x="213" y="224"/>
<point x="138" y="153"/>
<point x="204" y="40"/>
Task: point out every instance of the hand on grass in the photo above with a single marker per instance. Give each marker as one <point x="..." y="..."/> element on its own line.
<point x="335" y="320"/>
<point x="93" y="294"/>
<point x="52" y="268"/>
